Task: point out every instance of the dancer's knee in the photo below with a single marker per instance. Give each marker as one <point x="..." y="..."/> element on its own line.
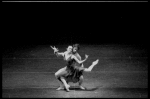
<point x="56" y="75"/>
<point x="60" y="72"/>
<point x="81" y="79"/>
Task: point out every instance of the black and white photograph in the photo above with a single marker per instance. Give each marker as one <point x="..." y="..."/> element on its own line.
<point x="74" y="49"/>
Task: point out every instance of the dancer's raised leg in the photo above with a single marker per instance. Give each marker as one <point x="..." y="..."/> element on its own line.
<point x="91" y="67"/>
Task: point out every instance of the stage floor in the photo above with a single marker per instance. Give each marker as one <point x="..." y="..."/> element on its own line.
<point x="122" y="72"/>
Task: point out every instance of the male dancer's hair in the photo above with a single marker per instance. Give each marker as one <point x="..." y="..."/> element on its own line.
<point x="76" y="45"/>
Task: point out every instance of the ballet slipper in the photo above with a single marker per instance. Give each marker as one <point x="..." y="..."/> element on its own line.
<point x="81" y="87"/>
<point x="67" y="88"/>
<point x="60" y="88"/>
<point x="95" y="62"/>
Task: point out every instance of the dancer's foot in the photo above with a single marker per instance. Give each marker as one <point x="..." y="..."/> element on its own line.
<point x="91" y="67"/>
<point x="60" y="88"/>
<point x="81" y="87"/>
<point x="67" y="88"/>
<point x="95" y="62"/>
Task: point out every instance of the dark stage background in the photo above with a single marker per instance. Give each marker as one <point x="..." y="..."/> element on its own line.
<point x="31" y="24"/>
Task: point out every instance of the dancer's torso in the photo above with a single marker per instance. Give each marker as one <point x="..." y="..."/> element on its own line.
<point x="71" y="62"/>
<point x="78" y="57"/>
<point x="67" y="55"/>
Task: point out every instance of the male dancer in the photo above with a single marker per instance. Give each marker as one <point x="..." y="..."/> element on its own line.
<point x="72" y="68"/>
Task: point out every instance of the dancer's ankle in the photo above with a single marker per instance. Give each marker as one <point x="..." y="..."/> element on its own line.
<point x="81" y="87"/>
<point x="67" y="88"/>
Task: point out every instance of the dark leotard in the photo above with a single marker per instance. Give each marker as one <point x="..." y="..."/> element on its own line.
<point x="74" y="72"/>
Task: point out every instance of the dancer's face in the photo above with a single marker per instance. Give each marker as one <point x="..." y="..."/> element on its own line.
<point x="75" y="49"/>
<point x="69" y="49"/>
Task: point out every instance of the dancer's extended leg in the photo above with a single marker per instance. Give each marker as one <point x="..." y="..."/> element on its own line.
<point x="91" y="67"/>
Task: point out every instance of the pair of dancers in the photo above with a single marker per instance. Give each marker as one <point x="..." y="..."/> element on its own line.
<point x="73" y="72"/>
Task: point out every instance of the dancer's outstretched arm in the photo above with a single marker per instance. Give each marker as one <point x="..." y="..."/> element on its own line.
<point x="56" y="51"/>
<point x="80" y="61"/>
<point x="59" y="53"/>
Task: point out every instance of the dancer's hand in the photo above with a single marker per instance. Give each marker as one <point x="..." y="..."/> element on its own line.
<point x="55" y="49"/>
<point x="86" y="56"/>
<point x="52" y="47"/>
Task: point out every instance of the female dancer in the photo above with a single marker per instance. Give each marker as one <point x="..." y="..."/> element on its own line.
<point x="61" y="72"/>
